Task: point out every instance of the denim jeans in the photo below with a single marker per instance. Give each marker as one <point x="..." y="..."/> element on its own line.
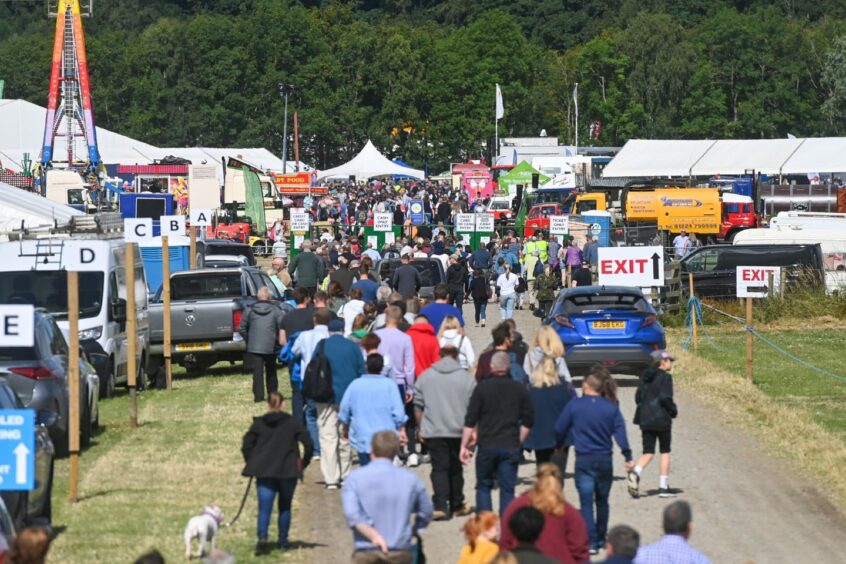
<point x="311" y="425"/>
<point x="506" y="306"/>
<point x="481" y="306"/>
<point x="594" y="476"/>
<point x="363" y="458"/>
<point x="267" y="489"/>
<point x="499" y="463"/>
<point x="297" y="402"/>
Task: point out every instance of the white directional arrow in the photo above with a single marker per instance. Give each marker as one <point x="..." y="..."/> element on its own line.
<point x="21" y="453"/>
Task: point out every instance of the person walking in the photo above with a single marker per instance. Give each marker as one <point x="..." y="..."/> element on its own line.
<point x="501" y="335"/>
<point x="545" y="287"/>
<point x="500" y="417"/>
<point x="304" y="348"/>
<point x="343" y="275"/>
<point x="440" y="308"/>
<point x="307" y="269"/>
<point x="550" y="389"/>
<point x="346" y="364"/>
<point x="582" y="276"/>
<point x="371" y="404"/>
<point x="654" y="415"/>
<point x="481" y="531"/>
<point x="398" y="351"/>
<point x="281" y="278"/>
<point x="261" y="327"/>
<point x="427" y="348"/>
<point x="534" y="268"/>
<point x="480" y="292"/>
<point x="271" y="450"/>
<point x="456" y="281"/>
<point x="564" y="536"/>
<point x="406" y="279"/>
<point x="452" y="334"/>
<point x="441" y="397"/>
<point x="379" y="501"/>
<point x="507" y="284"/>
<point x="673" y="548"/>
<point x="593" y="420"/>
<point x="681" y="245"/>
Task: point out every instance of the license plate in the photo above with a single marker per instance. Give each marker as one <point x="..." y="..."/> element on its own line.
<point x="185" y="347"/>
<point x="608" y="324"/>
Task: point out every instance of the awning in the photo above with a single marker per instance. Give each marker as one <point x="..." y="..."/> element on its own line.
<point x="153" y="169"/>
<point x="651" y="158"/>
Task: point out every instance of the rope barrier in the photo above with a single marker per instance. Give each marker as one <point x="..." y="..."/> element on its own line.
<point x="694" y="305"/>
<point x="793" y="357"/>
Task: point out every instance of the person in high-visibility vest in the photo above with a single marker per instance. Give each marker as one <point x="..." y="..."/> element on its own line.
<point x="543" y="248"/>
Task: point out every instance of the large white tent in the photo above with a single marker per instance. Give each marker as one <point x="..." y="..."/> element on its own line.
<point x="657" y="158"/>
<point x="21" y="208"/>
<point x="369" y="162"/>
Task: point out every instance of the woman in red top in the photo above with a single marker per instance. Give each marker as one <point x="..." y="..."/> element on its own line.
<point x="564" y="536"/>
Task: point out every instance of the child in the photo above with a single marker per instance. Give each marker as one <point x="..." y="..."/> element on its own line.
<point x="481" y="530"/>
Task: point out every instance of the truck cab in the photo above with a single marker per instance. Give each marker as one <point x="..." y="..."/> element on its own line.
<point x="538" y="217"/>
<point x="738" y="213"/>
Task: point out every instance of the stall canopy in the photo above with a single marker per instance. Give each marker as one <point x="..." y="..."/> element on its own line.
<point x="21" y="208"/>
<point x="656" y="158"/>
<point x="520" y="174"/>
<point x="367" y="164"/>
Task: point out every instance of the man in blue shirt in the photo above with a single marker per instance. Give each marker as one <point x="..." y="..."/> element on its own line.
<point x="673" y="546"/>
<point x="347" y="364"/>
<point x="378" y="502"/>
<point x="371" y="404"/>
<point x="437" y="311"/>
<point x="367" y="286"/>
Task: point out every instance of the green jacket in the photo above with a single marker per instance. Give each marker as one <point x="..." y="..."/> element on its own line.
<point x="546" y="286"/>
<point x="308" y="269"/>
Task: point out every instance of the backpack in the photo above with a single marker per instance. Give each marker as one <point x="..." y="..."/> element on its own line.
<point x="317" y="380"/>
<point x="522" y="285"/>
<point x="538" y="269"/>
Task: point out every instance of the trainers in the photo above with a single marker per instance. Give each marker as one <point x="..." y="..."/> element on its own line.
<point x="262" y="547"/>
<point x="666" y="492"/>
<point x="462" y="511"/>
<point x="412" y="460"/>
<point x="594" y="551"/>
<point x="483" y="323"/>
<point x="315" y="457"/>
<point x="440" y="516"/>
<point x="425" y="459"/>
<point x="397" y="461"/>
<point x="634" y="485"/>
<point x="331" y="486"/>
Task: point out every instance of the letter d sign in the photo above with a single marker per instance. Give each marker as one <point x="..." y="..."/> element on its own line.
<point x="173" y="225"/>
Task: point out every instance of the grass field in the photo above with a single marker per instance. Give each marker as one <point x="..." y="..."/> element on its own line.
<point x="783" y="379"/>
<point x="139" y="488"/>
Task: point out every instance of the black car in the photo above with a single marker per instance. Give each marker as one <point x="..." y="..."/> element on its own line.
<point x="714" y="267"/>
<point x="33" y="507"/>
<point x="217" y="247"/>
<point x="431" y="271"/>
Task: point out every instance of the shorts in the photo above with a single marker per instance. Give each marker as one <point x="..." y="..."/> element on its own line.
<point x="664" y="438"/>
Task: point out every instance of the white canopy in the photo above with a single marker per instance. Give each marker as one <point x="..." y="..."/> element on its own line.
<point x="19" y="206"/>
<point x="367" y="164"/>
<point x="656" y="158"/>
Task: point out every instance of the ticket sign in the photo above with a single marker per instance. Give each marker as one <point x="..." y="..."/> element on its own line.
<point x="383" y="222"/>
<point x="17" y="325"/>
<point x="465" y="222"/>
<point x="559" y="224"/>
<point x="484" y="222"/>
<point x="754" y="281"/>
<point x="299" y="222"/>
<point x="631" y="266"/>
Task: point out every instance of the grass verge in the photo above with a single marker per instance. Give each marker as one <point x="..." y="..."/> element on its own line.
<point x="139" y="488"/>
<point x="771" y="410"/>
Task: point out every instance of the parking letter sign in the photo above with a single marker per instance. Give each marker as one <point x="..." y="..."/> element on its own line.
<point x="138" y="230"/>
<point x="201" y="217"/>
<point x="382" y="222"/>
<point x="631" y="266"/>
<point x="17" y="326"/>
<point x="559" y="224"/>
<point x="754" y="281"/>
<point x="173" y="225"/>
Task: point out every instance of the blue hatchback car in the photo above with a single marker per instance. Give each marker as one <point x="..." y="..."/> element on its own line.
<point x="613" y="326"/>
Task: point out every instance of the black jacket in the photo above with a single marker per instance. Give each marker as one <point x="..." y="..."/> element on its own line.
<point x="479" y="289"/>
<point x="406" y="280"/>
<point x="654" y="397"/>
<point x="343" y="276"/>
<point x="270" y="447"/>
<point x="456" y="276"/>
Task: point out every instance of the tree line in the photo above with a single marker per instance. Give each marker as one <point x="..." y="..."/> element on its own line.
<point x="417" y="76"/>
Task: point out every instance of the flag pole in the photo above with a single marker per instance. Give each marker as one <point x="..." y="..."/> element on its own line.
<point x="576" y="100"/>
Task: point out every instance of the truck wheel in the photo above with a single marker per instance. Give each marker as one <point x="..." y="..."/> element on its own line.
<point x="107" y="384"/>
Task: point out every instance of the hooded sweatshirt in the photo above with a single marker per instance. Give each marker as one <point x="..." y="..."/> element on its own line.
<point x="466" y="355"/>
<point x="271" y="447"/>
<point x="654" y="397"/>
<point x="534" y="358"/>
<point x="443" y="393"/>
<point x="260" y="327"/>
<point x="427" y="349"/>
<point x="349" y="311"/>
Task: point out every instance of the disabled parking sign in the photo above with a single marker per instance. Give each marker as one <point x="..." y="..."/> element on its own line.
<point x="17" y="449"/>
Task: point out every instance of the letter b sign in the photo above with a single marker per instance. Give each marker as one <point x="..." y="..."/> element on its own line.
<point x="173" y="225"/>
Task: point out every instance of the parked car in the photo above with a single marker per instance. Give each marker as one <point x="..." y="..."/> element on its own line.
<point x="26" y="507"/>
<point x="217" y="247"/>
<point x="714" y="267"/>
<point x="225" y="261"/>
<point x="613" y="326"/>
<point x="501" y="209"/>
<point x="38" y="374"/>
<point x="431" y="271"/>
<point x="7" y="529"/>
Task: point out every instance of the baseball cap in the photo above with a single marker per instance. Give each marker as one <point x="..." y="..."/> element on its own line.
<point x="658" y="356"/>
<point x="336" y="325"/>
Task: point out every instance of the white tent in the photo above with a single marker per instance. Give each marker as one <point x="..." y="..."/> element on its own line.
<point x="19" y="207"/>
<point x="367" y="164"/>
<point x="818" y="154"/>
<point x="646" y="157"/>
<point x="735" y="156"/>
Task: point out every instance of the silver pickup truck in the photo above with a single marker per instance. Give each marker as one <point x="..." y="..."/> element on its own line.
<point x="205" y="309"/>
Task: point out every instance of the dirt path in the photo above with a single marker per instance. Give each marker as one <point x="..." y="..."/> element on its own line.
<point x="747" y="506"/>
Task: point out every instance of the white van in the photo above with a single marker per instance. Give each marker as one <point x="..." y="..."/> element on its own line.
<point x="832" y="242"/>
<point x="808" y="220"/>
<point x="32" y="271"/>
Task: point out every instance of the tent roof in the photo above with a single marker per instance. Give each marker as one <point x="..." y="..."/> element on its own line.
<point x="522" y="172"/>
<point x="654" y="158"/>
<point x="18" y="205"/>
<point x="369" y="162"/>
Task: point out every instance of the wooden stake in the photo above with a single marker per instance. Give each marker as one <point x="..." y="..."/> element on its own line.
<point x="73" y="385"/>
<point x="193" y="247"/>
<point x="693" y="316"/>
<point x="749" y="337"/>
<point x="166" y="311"/>
<point x="131" y="330"/>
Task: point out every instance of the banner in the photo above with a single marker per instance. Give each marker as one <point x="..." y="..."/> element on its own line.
<point x="416" y="212"/>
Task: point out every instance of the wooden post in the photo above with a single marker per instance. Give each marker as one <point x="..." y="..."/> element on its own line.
<point x="193" y="247"/>
<point x="749" y="338"/>
<point x="770" y="285"/>
<point x="166" y="311"/>
<point x="131" y="330"/>
<point x="693" y="315"/>
<point x="73" y="385"/>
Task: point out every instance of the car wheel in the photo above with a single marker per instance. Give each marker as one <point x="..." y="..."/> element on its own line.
<point x="141" y="378"/>
<point x="107" y="384"/>
<point x="61" y="444"/>
<point x="85" y="424"/>
<point x="159" y="380"/>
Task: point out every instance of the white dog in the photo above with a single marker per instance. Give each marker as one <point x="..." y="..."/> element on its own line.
<point x="205" y="528"/>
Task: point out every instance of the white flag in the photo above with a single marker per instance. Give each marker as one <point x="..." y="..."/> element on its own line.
<point x="500" y="108"/>
<point x="576" y="94"/>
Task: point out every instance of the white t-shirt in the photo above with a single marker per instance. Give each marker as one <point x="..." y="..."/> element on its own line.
<point x="507" y="283"/>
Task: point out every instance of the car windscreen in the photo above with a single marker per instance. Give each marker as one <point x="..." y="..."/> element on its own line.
<point x="206" y="285"/>
<point x="230" y="250"/>
<point x="588" y="303"/>
<point x="499" y="206"/>
<point x="49" y="289"/>
<point x="430" y="274"/>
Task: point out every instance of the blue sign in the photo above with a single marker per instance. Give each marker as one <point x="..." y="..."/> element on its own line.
<point x="17" y="449"/>
<point x="416" y="212"/>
